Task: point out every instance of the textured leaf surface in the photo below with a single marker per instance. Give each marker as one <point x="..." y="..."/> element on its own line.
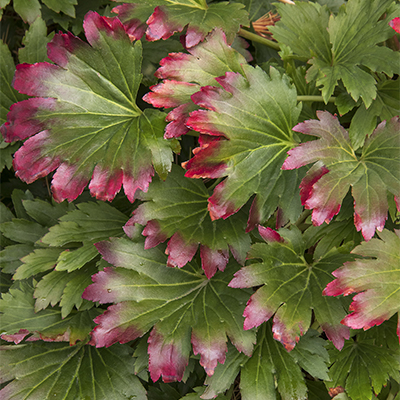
<point x="339" y="46"/>
<point x="181" y="304"/>
<point x="85" y="122"/>
<point x="183" y="75"/>
<point x="68" y="373"/>
<point x="291" y="289"/>
<point x="269" y="370"/>
<point x="18" y="312"/>
<point x="177" y="209"/>
<point x="338" y="167"/>
<point x="172" y="16"/>
<point x="362" y="367"/>
<point x="247" y="131"/>
<point x="375" y="278"/>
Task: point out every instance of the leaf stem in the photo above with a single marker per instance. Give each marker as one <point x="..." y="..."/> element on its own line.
<point x="315" y="98"/>
<point x="256" y="38"/>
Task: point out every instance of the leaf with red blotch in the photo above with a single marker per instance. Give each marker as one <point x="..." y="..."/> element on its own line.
<point x="181" y="304"/>
<point x="172" y="16"/>
<point x="183" y="75"/>
<point x="85" y="122"/>
<point x="177" y="209"/>
<point x="376" y="278"/>
<point x="249" y="124"/>
<point x="395" y="24"/>
<point x="291" y="288"/>
<point x="372" y="175"/>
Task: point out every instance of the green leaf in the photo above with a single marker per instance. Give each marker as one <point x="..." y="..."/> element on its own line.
<point x="91" y="222"/>
<point x="75" y="259"/>
<point x="249" y="131"/>
<point x="40" y="260"/>
<point x="340" y="47"/>
<point x="84" y="121"/>
<point x="291" y="288"/>
<point x="376" y="279"/>
<point x="386" y="105"/>
<point x="69" y="372"/>
<point x="29" y="10"/>
<point x="178" y="207"/>
<point x="181" y="304"/>
<point x="18" y="313"/>
<point x="362" y="368"/>
<point x="337" y="167"/>
<point x="35" y="43"/>
<point x="9" y="96"/>
<point x="10" y="257"/>
<point x="66" y="6"/>
<point x="23" y="231"/>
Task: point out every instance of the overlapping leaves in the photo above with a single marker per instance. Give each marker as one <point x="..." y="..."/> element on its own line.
<point x="180" y="305"/>
<point x="291" y="288"/>
<point x="341" y="47"/>
<point x="246" y="134"/>
<point x="165" y="17"/>
<point x="183" y="75"/>
<point x="85" y="120"/>
<point x="371" y="176"/>
<point x="177" y="209"/>
<point x="376" y="279"/>
<point x="57" y="370"/>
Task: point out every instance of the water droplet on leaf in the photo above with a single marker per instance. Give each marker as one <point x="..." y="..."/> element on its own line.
<point x="109" y="290"/>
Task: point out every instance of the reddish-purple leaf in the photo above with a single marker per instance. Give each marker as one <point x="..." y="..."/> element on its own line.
<point x="395" y="24"/>
<point x="84" y="121"/>
<point x="338" y="167"/>
<point x="375" y="278"/>
<point x="183" y="75"/>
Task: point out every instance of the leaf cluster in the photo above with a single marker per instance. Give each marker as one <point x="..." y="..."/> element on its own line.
<point x="207" y="203"/>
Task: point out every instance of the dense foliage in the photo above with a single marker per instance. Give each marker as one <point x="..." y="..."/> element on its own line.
<point x="200" y="199"/>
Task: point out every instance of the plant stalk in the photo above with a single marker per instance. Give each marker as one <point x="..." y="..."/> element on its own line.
<point x="315" y="98"/>
<point x="256" y="38"/>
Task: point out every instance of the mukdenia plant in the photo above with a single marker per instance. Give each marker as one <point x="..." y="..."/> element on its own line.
<point x="208" y="202"/>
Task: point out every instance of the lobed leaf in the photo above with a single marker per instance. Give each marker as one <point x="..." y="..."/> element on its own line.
<point x="68" y="372"/>
<point x="375" y="278"/>
<point x="290" y="289"/>
<point x="181" y="304"/>
<point x="170" y="16"/>
<point x="337" y="167"/>
<point x="177" y="209"/>
<point x="340" y="47"/>
<point x="183" y="75"/>
<point x="85" y="120"/>
<point x="249" y="129"/>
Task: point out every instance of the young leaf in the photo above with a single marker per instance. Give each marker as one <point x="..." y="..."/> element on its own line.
<point x="338" y="47"/>
<point x="247" y="131"/>
<point x="291" y="289"/>
<point x="172" y="16"/>
<point x="181" y="304"/>
<point x="338" y="167"/>
<point x="57" y="370"/>
<point x="177" y="209"/>
<point x="184" y="74"/>
<point x="85" y="120"/>
<point x="376" y="278"/>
